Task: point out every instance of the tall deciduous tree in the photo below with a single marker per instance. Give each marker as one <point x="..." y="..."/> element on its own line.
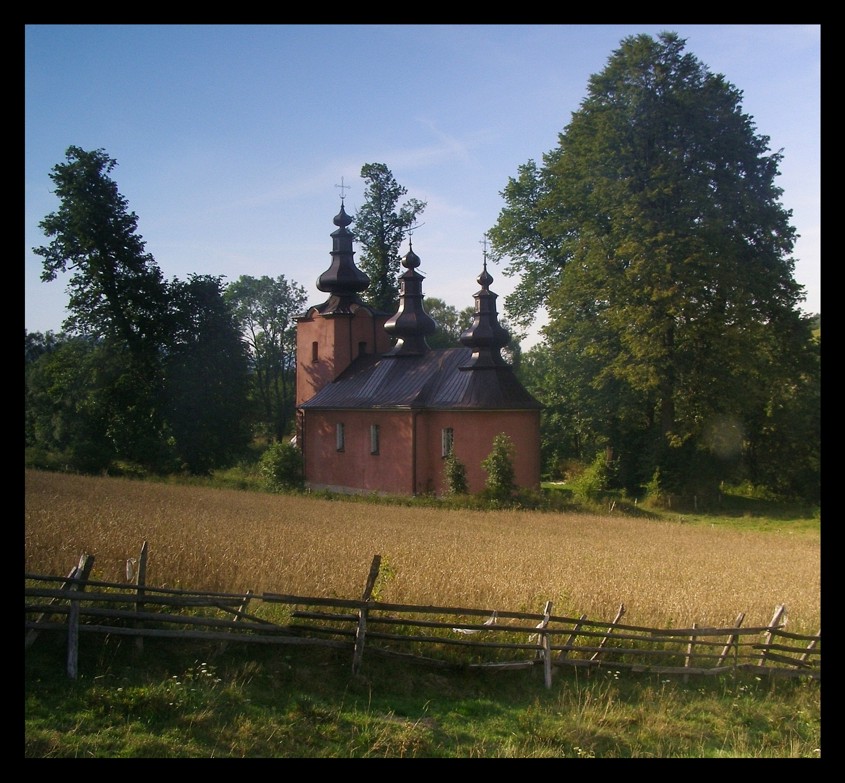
<point x="655" y="237"/>
<point x="266" y="310"/>
<point x="116" y="294"/>
<point x="116" y="289"/>
<point x="380" y="227"/>
<point x="160" y="375"/>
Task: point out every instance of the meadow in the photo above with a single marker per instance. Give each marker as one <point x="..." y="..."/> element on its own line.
<point x="189" y="700"/>
<point x="667" y="572"/>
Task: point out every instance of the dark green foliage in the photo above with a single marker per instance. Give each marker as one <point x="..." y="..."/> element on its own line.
<point x="116" y="289"/>
<point x="380" y="228"/>
<point x="281" y="467"/>
<point x="654" y="236"/>
<point x="117" y="296"/>
<point x="206" y="377"/>
<point x="85" y="401"/>
<point x="56" y="391"/>
<point x="455" y="475"/>
<point x="36" y="344"/>
<point x="151" y="374"/>
<point x="266" y="310"/>
<point x="501" y="481"/>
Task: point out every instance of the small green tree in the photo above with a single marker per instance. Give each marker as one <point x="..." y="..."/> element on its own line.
<point x="501" y="482"/>
<point x="281" y="467"/>
<point x="455" y="475"/>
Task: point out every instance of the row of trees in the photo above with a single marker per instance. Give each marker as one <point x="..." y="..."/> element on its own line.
<point x="165" y="375"/>
<point x="652" y="236"/>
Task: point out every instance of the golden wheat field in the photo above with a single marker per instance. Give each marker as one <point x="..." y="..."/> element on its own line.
<point x="665" y="572"/>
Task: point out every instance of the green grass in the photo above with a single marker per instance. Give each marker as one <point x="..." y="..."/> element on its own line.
<point x="736" y="508"/>
<point x="186" y="701"/>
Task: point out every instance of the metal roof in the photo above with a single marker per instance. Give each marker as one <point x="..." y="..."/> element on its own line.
<point x="431" y="380"/>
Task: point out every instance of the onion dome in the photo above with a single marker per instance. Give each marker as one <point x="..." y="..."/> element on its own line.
<point x="411" y="323"/>
<point x="485" y="335"/>
<point x="343" y="280"/>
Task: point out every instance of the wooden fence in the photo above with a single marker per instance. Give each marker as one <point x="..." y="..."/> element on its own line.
<point x="434" y="635"/>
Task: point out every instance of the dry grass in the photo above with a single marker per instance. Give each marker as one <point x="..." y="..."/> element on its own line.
<point x="666" y="573"/>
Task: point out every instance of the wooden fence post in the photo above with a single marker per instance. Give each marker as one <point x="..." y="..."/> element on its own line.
<point x="77" y="583"/>
<point x="779" y="612"/>
<point x="690" y="647"/>
<point x="361" y="630"/>
<point x="139" y="600"/>
<point x="75" y="580"/>
<point x="544" y="645"/>
<point x="732" y="642"/>
<point x="73" y="640"/>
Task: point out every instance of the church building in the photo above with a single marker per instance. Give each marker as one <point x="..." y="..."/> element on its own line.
<point x="378" y="410"/>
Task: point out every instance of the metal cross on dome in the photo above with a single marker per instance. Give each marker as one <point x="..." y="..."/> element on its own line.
<point x="483" y="243"/>
<point x="342" y="188"/>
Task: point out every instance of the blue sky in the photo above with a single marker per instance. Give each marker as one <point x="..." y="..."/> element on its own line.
<point x="231" y="140"/>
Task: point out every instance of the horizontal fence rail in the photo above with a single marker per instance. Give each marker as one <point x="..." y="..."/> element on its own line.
<point x="433" y="635"/>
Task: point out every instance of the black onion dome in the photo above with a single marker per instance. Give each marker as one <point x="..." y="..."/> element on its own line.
<point x="343" y="280"/>
<point x="485" y="335"/>
<point x="411" y="323"/>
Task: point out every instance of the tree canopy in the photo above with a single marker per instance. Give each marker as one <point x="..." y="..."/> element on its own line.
<point x="266" y="309"/>
<point x="654" y="236"/>
<point x="150" y="372"/>
<point x="380" y="226"/>
<point x="206" y="376"/>
<point x="116" y="290"/>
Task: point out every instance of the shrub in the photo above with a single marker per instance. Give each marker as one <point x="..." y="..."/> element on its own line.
<point x="501" y="482"/>
<point x="595" y="480"/>
<point x="280" y="467"/>
<point x="454" y="475"/>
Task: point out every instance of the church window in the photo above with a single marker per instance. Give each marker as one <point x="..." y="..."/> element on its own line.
<point x="314" y="351"/>
<point x="374" y="438"/>
<point x="447" y="440"/>
<point x="340" y="436"/>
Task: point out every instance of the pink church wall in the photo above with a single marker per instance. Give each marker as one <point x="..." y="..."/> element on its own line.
<point x="410" y="459"/>
<point x="473" y="433"/>
<point x="356" y="469"/>
<point x="338" y="339"/>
